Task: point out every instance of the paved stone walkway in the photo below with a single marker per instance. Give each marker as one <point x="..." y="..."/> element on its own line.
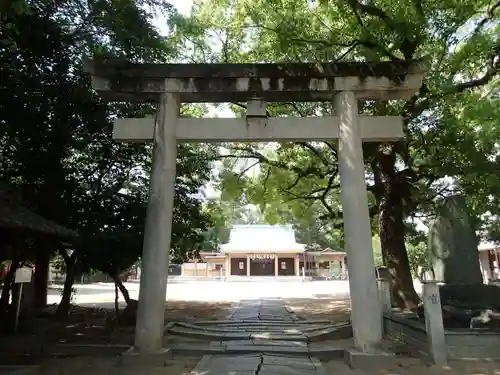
<point x="261" y="315"/>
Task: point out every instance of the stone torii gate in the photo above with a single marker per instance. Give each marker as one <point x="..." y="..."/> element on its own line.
<point x="345" y="84"/>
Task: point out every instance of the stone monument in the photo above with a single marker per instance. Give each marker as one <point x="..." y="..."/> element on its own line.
<point x="452" y="244"/>
<point x="453" y="254"/>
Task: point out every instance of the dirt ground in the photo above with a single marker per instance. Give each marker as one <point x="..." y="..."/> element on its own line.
<point x="188" y="310"/>
<point x="177" y="365"/>
<point x="96" y="326"/>
<point x="335" y="309"/>
<point x="413" y="366"/>
<point x="40" y="336"/>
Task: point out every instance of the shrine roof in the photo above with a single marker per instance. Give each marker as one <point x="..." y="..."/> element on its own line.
<point x="118" y="80"/>
<point x="261" y="238"/>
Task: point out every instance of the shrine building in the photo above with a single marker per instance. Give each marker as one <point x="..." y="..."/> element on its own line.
<point x="264" y="250"/>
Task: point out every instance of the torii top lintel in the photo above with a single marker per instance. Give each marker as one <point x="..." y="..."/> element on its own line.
<point x="118" y="80"/>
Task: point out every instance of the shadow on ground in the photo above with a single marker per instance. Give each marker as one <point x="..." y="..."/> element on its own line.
<point x="40" y="333"/>
<point x="325" y="307"/>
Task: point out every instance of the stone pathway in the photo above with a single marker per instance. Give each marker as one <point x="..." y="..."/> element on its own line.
<point x="261" y="338"/>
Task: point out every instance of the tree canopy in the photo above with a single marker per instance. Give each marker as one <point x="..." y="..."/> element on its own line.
<point x="55" y="138"/>
<point x="450" y="124"/>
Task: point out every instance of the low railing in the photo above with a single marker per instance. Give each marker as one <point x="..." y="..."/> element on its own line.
<point x="435" y="343"/>
<point x="432" y="339"/>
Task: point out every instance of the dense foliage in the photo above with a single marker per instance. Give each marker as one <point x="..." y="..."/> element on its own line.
<point x="55" y="134"/>
<point x="451" y="123"/>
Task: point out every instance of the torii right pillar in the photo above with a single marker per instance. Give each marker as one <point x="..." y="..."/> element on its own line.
<point x="366" y="308"/>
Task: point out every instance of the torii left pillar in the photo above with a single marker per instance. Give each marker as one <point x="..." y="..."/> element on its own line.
<point x="157" y="234"/>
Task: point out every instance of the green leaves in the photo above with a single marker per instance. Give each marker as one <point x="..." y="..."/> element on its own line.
<point x="60" y="152"/>
<point x="451" y="123"/>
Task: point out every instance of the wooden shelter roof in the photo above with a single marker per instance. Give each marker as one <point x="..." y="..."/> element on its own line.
<point x="16" y="216"/>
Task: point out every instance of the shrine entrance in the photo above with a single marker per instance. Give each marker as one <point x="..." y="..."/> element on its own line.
<point x="261" y="267"/>
<point x="342" y="84"/>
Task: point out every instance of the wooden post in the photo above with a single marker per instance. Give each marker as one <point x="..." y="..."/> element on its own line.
<point x="248" y="265"/>
<point x="434" y="323"/>
<point x="22" y="276"/>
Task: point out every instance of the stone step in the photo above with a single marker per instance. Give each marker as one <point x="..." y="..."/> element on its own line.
<point x="251" y="364"/>
<point x="251" y="316"/>
<point x="324" y="352"/>
<point x="332" y="332"/>
<point x="242" y="335"/>
<point x="255" y="327"/>
<point x="338" y="332"/>
<point x="276" y="326"/>
<point x="261" y="321"/>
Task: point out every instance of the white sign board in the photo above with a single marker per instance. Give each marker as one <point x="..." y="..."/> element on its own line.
<point x="23" y="275"/>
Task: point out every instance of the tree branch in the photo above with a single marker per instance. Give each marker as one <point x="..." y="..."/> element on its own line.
<point x="491" y="72"/>
<point x="247" y="169"/>
<point x="372" y="10"/>
<point x="314" y="151"/>
<point x="252" y="154"/>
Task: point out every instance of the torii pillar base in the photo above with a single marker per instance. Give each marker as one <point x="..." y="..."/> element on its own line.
<point x="375" y="359"/>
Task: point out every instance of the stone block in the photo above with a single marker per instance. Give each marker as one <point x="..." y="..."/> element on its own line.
<point x="277" y="337"/>
<point x="132" y="357"/>
<point x="266" y="342"/>
<point x="333" y="333"/>
<point x="217" y="322"/>
<point x="285" y="370"/>
<point x="236" y="336"/>
<point x="297" y="362"/>
<point x="327" y="352"/>
<point x="376" y="359"/>
<point x="167" y="327"/>
<point x="305" y="329"/>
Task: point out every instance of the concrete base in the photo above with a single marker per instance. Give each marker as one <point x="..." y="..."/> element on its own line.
<point x="368" y="361"/>
<point x="132" y="357"/>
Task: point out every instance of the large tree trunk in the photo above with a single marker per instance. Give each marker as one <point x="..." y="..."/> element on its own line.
<point x="123" y="289"/>
<point x="41" y="277"/>
<point x="391" y="191"/>
<point x="117" y="303"/>
<point x="65" y="304"/>
<point x="392" y="239"/>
